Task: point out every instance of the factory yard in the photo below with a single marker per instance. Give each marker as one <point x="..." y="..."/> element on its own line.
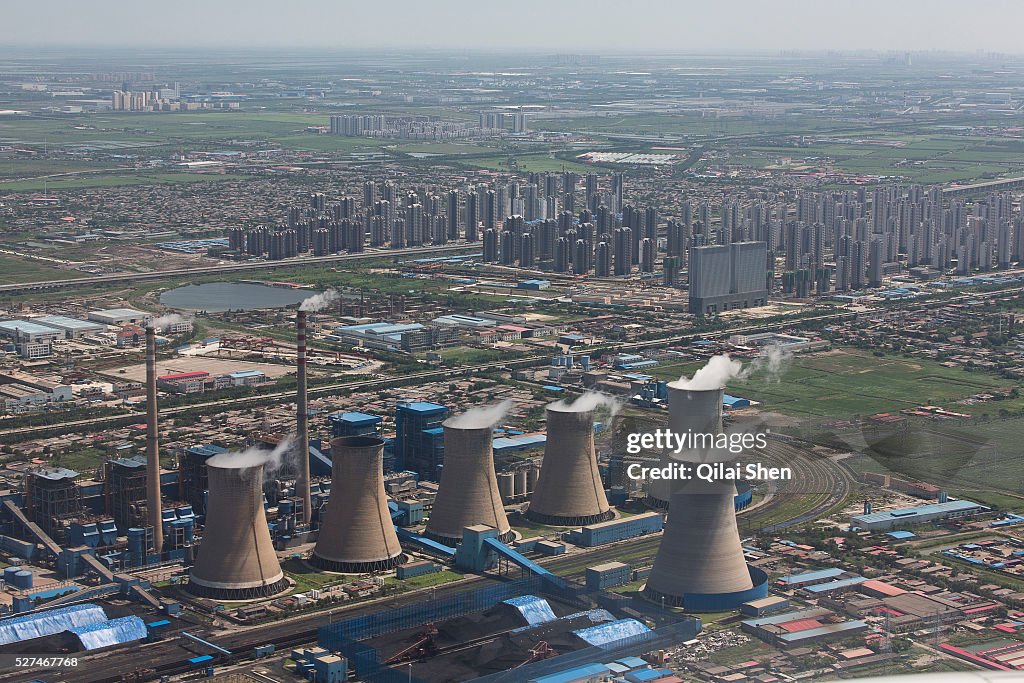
<point x="214" y="366"/>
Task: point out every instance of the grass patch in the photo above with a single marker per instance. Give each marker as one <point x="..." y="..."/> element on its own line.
<point x="14" y="270"/>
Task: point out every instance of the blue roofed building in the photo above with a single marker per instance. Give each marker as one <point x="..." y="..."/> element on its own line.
<point x="921" y="514"/>
<point x="354" y="424"/>
<point x="419" y="438"/>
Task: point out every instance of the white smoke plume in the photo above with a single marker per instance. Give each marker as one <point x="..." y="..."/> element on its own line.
<point x="590" y="400"/>
<point x="484" y="416"/>
<point x="320" y="301"/>
<point x="714" y="375"/>
<point x="772" y="361"/>
<point x="250" y="457"/>
<point x="167" y="320"/>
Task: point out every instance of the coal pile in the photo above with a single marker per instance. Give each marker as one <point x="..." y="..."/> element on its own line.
<point x="473" y="645"/>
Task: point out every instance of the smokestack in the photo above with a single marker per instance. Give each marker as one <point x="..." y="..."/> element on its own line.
<point x="569" y="491"/>
<point x="468" y="492"/>
<point x="236" y="559"/>
<point x="700" y="561"/>
<point x="356" y="534"/>
<point x="302" y="418"/>
<point x="154" y="509"/>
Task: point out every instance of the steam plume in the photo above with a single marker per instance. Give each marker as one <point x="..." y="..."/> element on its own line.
<point x="714" y="375"/>
<point x="772" y="361"/>
<point x="319" y="301"/>
<point x="250" y="457"/>
<point x="478" y="418"/>
<point x="590" y="400"/>
<point x="167" y="320"/>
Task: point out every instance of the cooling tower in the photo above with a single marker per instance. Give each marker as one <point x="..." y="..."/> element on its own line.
<point x="236" y="559"/>
<point x="697" y="412"/>
<point x="356" y="534"/>
<point x="468" y="492"/>
<point x="700" y="563"/>
<point x="302" y="418"/>
<point x="154" y="509"/>
<point x="569" y="491"/>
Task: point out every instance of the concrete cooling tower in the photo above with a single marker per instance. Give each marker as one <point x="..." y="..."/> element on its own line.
<point x="700" y="563"/>
<point x="356" y="533"/>
<point x="697" y="412"/>
<point x="468" y="492"/>
<point x="236" y="559"/>
<point x="569" y="491"/>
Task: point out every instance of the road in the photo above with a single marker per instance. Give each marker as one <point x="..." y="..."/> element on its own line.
<point x="220" y="269"/>
<point x="540" y="358"/>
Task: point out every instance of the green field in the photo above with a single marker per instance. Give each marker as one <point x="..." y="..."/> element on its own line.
<point x="114" y="180"/>
<point x="849" y="382"/>
<point x="15" y="270"/>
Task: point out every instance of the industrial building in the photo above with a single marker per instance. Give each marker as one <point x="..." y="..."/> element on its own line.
<point x="803" y="627"/>
<point x="922" y="514"/>
<point x="30" y="339"/>
<point x="354" y="424"/>
<point x="72" y="327"/>
<point x="120" y="317"/>
<point x="419" y="438"/>
<point x="617" y="529"/>
<point x="20" y="392"/>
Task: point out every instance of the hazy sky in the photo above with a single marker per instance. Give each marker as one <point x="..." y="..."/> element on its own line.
<point x="551" y="25"/>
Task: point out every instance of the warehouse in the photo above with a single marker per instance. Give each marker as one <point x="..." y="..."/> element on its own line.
<point x="120" y="316"/>
<point x="31" y="339"/>
<point x="73" y="327"/>
<point x="618" y="529"/>
<point x="922" y="514"/>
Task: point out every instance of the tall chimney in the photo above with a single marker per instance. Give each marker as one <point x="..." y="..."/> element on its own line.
<point x="154" y="509"/>
<point x="302" y="419"/>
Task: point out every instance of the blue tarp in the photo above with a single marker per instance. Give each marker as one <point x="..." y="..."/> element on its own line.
<point x="112" y="632"/>
<point x="47" y="623"/>
<point x="535" y="610"/>
<point x="603" y="634"/>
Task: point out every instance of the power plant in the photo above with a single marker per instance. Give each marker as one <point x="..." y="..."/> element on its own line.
<point x="356" y="532"/>
<point x="569" y="490"/>
<point x="468" y="492"/>
<point x="302" y="417"/>
<point x="236" y="559"/>
<point x="700" y="563"/>
<point x="154" y="509"/>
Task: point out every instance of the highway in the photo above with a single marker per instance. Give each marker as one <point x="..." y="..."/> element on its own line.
<point x="220" y="269"/>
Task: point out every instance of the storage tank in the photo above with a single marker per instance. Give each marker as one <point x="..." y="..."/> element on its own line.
<point x="506" y="486"/>
<point x="520" y="482"/>
<point x="356" y="532"/>
<point x="236" y="559"/>
<point x="468" y="492"/>
<point x="569" y="490"/>
<point x="531" y="478"/>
